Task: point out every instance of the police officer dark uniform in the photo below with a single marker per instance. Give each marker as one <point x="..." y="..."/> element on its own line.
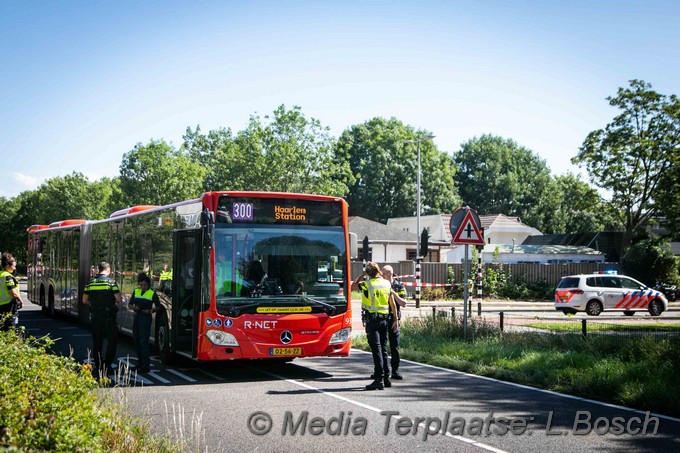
<point x="376" y="303"/>
<point x="102" y="295"/>
<point x="398" y="288"/>
<point x="10" y="297"/>
<point x="144" y="302"/>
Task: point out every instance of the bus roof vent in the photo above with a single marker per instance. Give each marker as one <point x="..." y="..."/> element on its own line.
<point x="64" y="223"/>
<point x="132" y="210"/>
<point x="33" y="228"/>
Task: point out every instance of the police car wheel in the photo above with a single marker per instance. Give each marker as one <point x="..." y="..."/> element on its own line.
<point x="629" y="313"/>
<point x="594" y="308"/>
<point x="655" y="307"/>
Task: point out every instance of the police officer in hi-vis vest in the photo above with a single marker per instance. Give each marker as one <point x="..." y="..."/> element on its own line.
<point x="377" y="302"/>
<point x="393" y="335"/>
<point x="144" y="302"/>
<point x="103" y="296"/>
<point x="165" y="280"/>
<point x="10" y="297"/>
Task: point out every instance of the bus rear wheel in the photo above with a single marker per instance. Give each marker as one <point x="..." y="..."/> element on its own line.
<point x="163" y="339"/>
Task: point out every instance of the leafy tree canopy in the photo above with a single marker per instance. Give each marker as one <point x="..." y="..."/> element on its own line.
<point x="581" y="209"/>
<point x="385" y="170"/>
<point x="496" y="175"/>
<point x="158" y="174"/>
<point x="285" y="152"/>
<point x="631" y="155"/>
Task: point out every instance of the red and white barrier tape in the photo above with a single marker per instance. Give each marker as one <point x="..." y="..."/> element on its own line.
<point x="428" y="285"/>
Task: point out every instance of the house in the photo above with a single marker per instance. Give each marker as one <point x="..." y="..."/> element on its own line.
<point x="390" y="245"/>
<point x="498" y="229"/>
<point x="607" y="242"/>
<point x="543" y="254"/>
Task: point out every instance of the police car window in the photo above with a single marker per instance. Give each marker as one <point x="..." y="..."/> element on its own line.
<point x="630" y="284"/>
<point x="568" y="282"/>
<point x="611" y="282"/>
<point x="593" y="282"/>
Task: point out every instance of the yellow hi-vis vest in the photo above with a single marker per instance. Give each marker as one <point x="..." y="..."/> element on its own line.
<point x="375" y="295"/>
<point x="144" y="300"/>
<point x="166" y="275"/>
<point x="6" y="283"/>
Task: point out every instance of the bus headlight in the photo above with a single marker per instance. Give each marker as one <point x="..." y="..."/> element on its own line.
<point x="221" y="338"/>
<point x="341" y="336"/>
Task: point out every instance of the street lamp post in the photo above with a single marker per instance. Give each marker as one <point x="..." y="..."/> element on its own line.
<point x="418" y="257"/>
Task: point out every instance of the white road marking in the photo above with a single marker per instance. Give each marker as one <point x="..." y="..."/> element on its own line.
<point x="183" y="376"/>
<point x="378" y="410"/>
<point x="155" y="375"/>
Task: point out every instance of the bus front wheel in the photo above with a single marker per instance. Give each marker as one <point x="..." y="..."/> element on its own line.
<point x="163" y="339"/>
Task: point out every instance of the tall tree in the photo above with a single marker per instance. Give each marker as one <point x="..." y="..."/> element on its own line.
<point x="385" y="171"/>
<point x="284" y="152"/>
<point x="156" y="173"/>
<point x="581" y="209"/>
<point x="497" y="176"/>
<point x="60" y="198"/>
<point x="631" y="155"/>
<point x="668" y="197"/>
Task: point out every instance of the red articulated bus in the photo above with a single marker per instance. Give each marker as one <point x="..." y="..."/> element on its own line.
<point x="254" y="274"/>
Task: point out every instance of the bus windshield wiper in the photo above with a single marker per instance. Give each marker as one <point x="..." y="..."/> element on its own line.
<point x="328" y="308"/>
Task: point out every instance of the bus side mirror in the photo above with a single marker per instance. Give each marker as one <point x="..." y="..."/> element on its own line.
<point x="353" y="246"/>
<point x="208" y="222"/>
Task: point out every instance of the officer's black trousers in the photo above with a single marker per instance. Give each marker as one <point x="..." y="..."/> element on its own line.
<point x="394" y="345"/>
<point x="376" y="333"/>
<point x="104" y="328"/>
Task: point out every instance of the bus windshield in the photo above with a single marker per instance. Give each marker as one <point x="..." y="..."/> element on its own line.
<point x="279" y="264"/>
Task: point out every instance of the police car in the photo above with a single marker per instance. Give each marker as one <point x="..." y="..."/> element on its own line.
<point x="594" y="293"/>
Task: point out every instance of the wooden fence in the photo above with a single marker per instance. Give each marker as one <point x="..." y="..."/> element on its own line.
<point x="527" y="272"/>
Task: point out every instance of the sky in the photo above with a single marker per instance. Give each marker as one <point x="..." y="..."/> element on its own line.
<point x="83" y="82"/>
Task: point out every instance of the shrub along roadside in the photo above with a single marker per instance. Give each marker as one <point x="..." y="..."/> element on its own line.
<point x="48" y="403"/>
<point x="634" y="372"/>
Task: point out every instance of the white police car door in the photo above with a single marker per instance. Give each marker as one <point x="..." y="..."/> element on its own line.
<point x="613" y="291"/>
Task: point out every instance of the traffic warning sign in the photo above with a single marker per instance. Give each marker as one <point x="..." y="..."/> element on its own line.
<point x="466" y="228"/>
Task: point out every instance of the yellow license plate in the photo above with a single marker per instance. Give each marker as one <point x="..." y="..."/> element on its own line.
<point x="285" y="351"/>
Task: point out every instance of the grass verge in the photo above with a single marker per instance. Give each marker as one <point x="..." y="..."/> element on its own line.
<point x="48" y="403"/>
<point x="636" y="372"/>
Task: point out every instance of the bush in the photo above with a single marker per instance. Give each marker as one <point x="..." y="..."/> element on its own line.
<point x="47" y="403"/>
<point x="650" y="260"/>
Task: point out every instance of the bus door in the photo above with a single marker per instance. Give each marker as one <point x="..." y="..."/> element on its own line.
<point x="186" y="291"/>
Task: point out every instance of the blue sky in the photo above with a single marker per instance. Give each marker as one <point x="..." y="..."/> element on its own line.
<point x="82" y="82"/>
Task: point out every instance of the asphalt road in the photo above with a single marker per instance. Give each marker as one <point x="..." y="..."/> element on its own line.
<point x="318" y="404"/>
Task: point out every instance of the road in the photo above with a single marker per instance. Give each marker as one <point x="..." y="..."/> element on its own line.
<point x="319" y="404"/>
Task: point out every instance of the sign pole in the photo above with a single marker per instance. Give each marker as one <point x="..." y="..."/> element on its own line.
<point x="466" y="229"/>
<point x="465" y="293"/>
<point x="418" y="260"/>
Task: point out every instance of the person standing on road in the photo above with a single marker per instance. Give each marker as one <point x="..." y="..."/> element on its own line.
<point x="144" y="302"/>
<point x="392" y="334"/>
<point x="165" y="279"/>
<point x="10" y="296"/>
<point x="376" y="303"/>
<point x="103" y="296"/>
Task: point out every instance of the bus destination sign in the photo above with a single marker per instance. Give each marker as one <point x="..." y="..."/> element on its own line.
<point x="283" y="211"/>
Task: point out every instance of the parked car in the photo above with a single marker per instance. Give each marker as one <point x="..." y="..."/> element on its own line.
<point x="595" y="293"/>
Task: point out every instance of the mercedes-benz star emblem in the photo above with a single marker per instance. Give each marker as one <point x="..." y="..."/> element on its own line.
<point x="286" y="337"/>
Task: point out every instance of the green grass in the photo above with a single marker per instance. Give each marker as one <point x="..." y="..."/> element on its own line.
<point x="636" y="372"/>
<point x="48" y="403"/>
